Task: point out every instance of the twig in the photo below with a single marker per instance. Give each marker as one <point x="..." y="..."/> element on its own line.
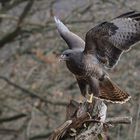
<point x="22" y="129"/>
<point x="12" y="118"/>
<point x="9" y="6"/>
<point x="32" y="115"/>
<point x="10" y="36"/>
<point x="8" y="131"/>
<point x="25" y="12"/>
<point x="119" y="120"/>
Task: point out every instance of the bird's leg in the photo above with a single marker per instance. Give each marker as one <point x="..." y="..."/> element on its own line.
<point x="93" y="89"/>
<point x="83" y="87"/>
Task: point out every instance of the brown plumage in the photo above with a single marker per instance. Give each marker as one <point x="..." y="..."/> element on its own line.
<point x="103" y="47"/>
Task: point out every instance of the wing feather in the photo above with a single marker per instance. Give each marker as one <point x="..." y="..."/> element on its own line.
<point x="73" y="41"/>
<point x="109" y="40"/>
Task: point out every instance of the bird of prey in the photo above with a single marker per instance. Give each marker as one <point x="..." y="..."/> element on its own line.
<point x="102" y="48"/>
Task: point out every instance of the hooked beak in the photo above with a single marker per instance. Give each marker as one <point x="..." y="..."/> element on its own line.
<point x="63" y="57"/>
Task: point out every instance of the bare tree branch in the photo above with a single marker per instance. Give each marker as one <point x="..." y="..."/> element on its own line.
<point x="4" y="131"/>
<point x="119" y="120"/>
<point x="11" y="36"/>
<point x="32" y="94"/>
<point x="12" y="118"/>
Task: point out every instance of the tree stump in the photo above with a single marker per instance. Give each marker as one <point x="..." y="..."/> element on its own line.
<point x="86" y="121"/>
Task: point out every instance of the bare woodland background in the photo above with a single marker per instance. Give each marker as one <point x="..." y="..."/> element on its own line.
<point x="34" y="86"/>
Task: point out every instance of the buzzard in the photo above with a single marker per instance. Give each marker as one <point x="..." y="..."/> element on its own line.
<point x="102" y="48"/>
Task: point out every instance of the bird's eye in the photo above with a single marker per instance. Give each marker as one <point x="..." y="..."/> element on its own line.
<point x="67" y="54"/>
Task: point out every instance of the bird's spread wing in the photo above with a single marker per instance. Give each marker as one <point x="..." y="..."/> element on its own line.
<point x="109" y="40"/>
<point x="73" y="41"/>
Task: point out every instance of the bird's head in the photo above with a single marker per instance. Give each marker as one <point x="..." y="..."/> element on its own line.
<point x="66" y="55"/>
<point x="69" y="55"/>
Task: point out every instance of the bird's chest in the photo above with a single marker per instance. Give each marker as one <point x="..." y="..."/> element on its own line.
<point x="77" y="68"/>
<point x="85" y="67"/>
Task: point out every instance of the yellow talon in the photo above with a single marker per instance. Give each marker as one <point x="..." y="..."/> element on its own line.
<point x="90" y="98"/>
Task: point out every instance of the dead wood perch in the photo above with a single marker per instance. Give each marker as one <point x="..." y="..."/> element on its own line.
<point x="86" y="121"/>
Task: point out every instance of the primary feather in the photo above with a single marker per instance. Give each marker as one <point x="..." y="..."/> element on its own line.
<point x="73" y="41"/>
<point x="109" y="40"/>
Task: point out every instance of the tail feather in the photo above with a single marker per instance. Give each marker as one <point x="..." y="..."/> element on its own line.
<point x="111" y="92"/>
